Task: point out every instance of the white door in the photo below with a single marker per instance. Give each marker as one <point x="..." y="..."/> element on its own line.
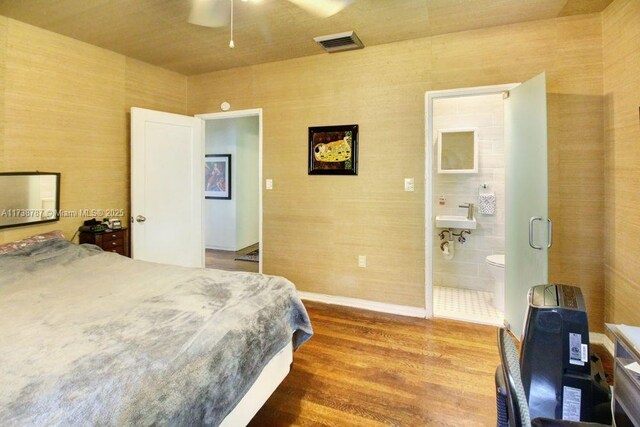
<point x="167" y="187"/>
<point x="528" y="228"/>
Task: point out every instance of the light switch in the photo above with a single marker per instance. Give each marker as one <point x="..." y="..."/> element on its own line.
<point x="408" y="184"/>
<point x="362" y="261"/>
<point x="269" y="184"/>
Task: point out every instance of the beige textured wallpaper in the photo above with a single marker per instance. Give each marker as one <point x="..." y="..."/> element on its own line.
<point x="3" y="55"/>
<point x="316" y="226"/>
<point x="621" y="35"/>
<point x="66" y="103"/>
<point x="66" y="107"/>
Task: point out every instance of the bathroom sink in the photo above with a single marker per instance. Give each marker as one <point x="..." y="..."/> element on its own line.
<point x="455" y="221"/>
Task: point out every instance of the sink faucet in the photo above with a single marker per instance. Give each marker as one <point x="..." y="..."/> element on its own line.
<point x="469" y="207"/>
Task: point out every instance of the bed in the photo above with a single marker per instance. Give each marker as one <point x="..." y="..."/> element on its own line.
<point x="94" y="338"/>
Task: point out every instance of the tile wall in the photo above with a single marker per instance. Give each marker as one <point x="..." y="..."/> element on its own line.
<point x="468" y="268"/>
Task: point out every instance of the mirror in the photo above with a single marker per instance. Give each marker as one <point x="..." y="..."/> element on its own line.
<point x="458" y="151"/>
<point x="28" y="198"/>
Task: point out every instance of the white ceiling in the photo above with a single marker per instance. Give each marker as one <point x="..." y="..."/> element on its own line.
<point x="157" y="32"/>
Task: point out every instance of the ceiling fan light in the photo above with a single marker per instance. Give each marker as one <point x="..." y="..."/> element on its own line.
<point x="209" y="13"/>
<point x="322" y="8"/>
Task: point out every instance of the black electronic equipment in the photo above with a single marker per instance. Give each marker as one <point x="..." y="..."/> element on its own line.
<point x="93" y="226"/>
<point x="98" y="228"/>
<point x="560" y="378"/>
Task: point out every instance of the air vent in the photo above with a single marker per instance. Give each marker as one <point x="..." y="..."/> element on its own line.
<point x="339" y="42"/>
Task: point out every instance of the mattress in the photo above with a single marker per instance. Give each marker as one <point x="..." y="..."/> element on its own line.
<point x="89" y="337"/>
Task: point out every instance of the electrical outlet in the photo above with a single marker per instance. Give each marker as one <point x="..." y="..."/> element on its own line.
<point x="362" y="261"/>
<point x="269" y="184"/>
<point x="409" y="184"/>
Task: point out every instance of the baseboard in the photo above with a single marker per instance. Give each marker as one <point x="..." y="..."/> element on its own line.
<point x="402" y="310"/>
<point x="602" y="339"/>
<point x="243" y="247"/>
<point x="220" y="248"/>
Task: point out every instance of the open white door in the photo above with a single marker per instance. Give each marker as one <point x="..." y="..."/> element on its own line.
<point x="528" y="228"/>
<point x="167" y="187"/>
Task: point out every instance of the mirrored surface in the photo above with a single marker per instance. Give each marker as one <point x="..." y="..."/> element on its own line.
<point x="458" y="151"/>
<point x="28" y="198"/>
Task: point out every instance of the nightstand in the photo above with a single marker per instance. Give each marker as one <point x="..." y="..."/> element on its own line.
<point x="110" y="241"/>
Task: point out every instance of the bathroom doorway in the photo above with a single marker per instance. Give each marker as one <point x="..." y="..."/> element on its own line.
<point x="473" y="139"/>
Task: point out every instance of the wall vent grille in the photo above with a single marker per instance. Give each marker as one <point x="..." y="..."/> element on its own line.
<point x="339" y="42"/>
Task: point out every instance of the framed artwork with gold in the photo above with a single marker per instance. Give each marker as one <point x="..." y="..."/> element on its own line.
<point x="333" y="150"/>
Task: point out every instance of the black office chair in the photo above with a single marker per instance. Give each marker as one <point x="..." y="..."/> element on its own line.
<point x="513" y="409"/>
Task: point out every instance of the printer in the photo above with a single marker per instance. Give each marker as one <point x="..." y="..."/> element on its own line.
<point x="561" y="378"/>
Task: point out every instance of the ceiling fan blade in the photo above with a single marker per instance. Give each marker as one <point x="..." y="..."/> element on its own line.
<point x="322" y="8"/>
<point x="210" y="13"/>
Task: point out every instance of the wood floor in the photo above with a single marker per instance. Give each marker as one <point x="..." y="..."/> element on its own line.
<point x="366" y="369"/>
<point x="363" y="368"/>
<point x="225" y="260"/>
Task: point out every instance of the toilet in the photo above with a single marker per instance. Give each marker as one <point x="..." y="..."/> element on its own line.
<point x="495" y="263"/>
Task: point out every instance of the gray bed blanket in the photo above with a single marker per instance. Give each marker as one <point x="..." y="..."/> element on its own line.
<point x="93" y="338"/>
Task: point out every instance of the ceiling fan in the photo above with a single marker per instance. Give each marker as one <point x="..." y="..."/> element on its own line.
<point x="219" y="13"/>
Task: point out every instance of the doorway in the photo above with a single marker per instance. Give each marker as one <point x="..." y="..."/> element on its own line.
<point x="232" y="212"/>
<point x="480" y="269"/>
<point x="463" y="283"/>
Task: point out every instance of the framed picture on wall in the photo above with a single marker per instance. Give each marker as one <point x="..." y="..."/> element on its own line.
<point x="217" y="176"/>
<point x="333" y="150"/>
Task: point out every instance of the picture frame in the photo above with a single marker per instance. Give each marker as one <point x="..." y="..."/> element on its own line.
<point x="333" y="150"/>
<point x="217" y="176"/>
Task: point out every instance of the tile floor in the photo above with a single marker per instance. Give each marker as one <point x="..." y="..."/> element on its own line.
<point x="466" y="305"/>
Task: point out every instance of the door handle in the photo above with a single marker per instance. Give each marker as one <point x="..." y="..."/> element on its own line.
<point x="531" y="221"/>
<point x="549" y="233"/>
<point x="140" y="218"/>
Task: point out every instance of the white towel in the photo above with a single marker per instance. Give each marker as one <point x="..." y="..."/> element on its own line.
<point x="487" y="203"/>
